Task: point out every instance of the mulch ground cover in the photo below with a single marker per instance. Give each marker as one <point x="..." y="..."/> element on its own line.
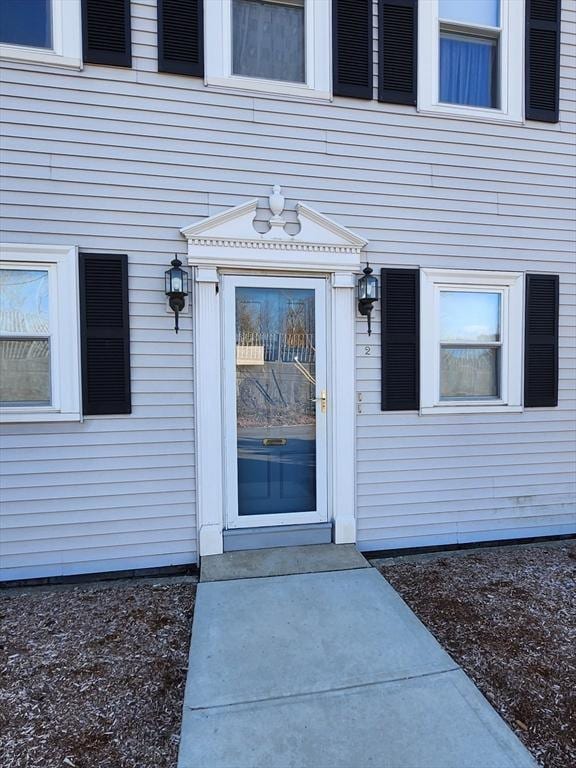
<point x="508" y="617"/>
<point x="93" y="677"/>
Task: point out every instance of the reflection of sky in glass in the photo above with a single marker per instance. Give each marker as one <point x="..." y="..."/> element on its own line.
<point x="471" y="11"/>
<point x="469" y="316"/>
<point x="280" y="310"/>
<point x="23" y="301"/>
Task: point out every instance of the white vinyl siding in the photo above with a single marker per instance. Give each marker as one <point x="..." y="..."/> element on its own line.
<point x="119" y="160"/>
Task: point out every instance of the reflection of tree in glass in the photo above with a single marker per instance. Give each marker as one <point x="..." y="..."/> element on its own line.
<point x="276" y="392"/>
<point x="23" y="301"/>
<point x="249" y="317"/>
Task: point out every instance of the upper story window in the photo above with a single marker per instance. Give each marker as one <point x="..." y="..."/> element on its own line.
<point x="471" y="58"/>
<point x="39" y="359"/>
<point x="469" y="44"/>
<point x="269" y="39"/>
<point x="41" y="31"/>
<point x="26" y="23"/>
<point x="278" y="46"/>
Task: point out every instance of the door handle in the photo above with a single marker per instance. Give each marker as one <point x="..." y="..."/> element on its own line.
<point x="323" y="398"/>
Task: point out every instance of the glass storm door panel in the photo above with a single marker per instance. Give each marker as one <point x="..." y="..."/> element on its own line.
<point x="277" y="387"/>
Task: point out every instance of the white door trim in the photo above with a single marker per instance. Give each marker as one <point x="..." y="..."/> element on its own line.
<point x="321" y="247"/>
<point x="229" y="283"/>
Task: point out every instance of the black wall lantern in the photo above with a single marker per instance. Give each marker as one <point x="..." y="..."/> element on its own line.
<point x="367" y="294"/>
<point x="176" y="280"/>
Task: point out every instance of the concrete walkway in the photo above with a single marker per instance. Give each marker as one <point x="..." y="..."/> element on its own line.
<point x="324" y="666"/>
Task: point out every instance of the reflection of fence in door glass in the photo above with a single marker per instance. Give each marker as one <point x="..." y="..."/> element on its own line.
<point x="275" y="357"/>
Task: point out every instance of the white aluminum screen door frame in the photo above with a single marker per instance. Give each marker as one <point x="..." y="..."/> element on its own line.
<point x="231" y="491"/>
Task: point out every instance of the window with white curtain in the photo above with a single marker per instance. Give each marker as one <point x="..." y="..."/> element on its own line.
<point x="268" y="39"/>
<point x="471" y="336"/>
<point x="275" y="46"/>
<point x="471" y="58"/>
<point x="39" y="327"/>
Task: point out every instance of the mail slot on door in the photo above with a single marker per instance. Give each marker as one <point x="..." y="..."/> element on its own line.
<point x="274" y="441"/>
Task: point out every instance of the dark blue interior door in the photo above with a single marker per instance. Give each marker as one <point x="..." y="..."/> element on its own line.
<point x="275" y="390"/>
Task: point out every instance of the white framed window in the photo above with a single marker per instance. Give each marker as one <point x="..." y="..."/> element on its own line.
<point x="41" y="32"/>
<point x="273" y="46"/>
<point x="39" y="333"/>
<point x="471" y="340"/>
<point x="471" y="58"/>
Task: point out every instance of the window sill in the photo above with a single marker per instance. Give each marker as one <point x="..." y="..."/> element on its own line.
<point x="38" y="56"/>
<point x="16" y="416"/>
<point x="268" y="88"/>
<point x="456" y="112"/>
<point x="484" y="408"/>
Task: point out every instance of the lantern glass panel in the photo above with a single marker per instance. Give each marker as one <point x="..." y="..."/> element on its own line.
<point x="371" y="287"/>
<point x="176" y="280"/>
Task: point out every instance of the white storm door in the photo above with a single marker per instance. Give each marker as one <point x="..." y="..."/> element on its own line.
<point x="275" y="400"/>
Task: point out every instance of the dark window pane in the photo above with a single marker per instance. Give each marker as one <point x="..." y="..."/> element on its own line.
<point x="468" y="70"/>
<point x="24" y="372"/>
<point x="26" y="22"/>
<point x="268" y="40"/>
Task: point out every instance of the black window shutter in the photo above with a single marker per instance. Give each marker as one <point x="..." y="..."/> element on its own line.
<point x="397" y="51"/>
<point x="542" y="74"/>
<point x="106" y="32"/>
<point x="541" y="341"/>
<point x="400" y="339"/>
<point x="352" y="48"/>
<point x="181" y="37"/>
<point x="105" y="333"/>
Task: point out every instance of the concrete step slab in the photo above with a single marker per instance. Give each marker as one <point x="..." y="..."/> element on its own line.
<point x="288" y="635"/>
<point x="281" y="561"/>
<point x="436" y="721"/>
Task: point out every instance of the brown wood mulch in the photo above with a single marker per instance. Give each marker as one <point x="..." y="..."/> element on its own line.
<point x="93" y="677"/>
<point x="508" y="617"/>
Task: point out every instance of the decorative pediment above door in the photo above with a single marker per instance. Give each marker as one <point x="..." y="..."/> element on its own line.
<point x="230" y="239"/>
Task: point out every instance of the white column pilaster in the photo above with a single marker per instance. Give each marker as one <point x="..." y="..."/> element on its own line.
<point x="208" y="408"/>
<point x="343" y="408"/>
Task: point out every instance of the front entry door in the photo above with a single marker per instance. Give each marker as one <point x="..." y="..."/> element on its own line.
<point x="276" y="400"/>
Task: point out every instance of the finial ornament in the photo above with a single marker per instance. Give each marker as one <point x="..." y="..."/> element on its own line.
<point x="277" y="223"/>
<point x="276" y="201"/>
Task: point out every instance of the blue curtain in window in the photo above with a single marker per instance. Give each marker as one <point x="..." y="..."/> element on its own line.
<point x="466" y="72"/>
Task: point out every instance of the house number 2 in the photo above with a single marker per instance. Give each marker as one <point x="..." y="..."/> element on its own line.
<point x="367" y="351"/>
